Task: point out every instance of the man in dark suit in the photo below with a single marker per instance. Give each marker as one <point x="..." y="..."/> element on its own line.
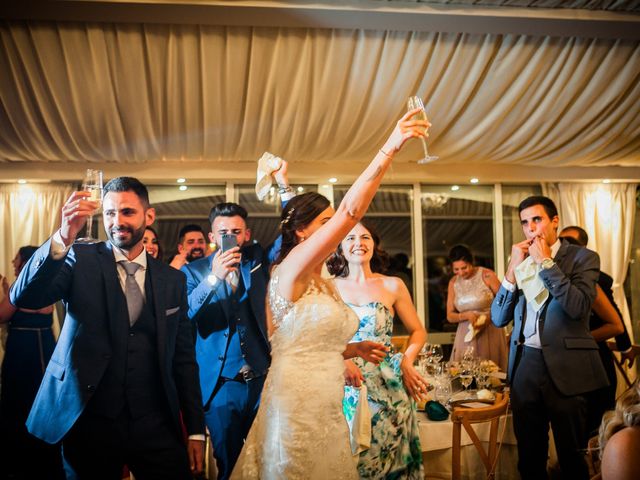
<point x="553" y="359"/>
<point x="227" y="292"/>
<point x="603" y="399"/>
<point x="124" y="367"/>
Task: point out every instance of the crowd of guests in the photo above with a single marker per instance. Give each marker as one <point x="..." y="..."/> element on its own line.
<point x="257" y="347"/>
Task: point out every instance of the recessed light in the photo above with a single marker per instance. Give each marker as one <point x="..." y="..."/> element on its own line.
<point x="182" y="188"/>
<point x="474" y="180"/>
<point x="301" y="189"/>
<point x="333" y="180"/>
<point x="22" y="181"/>
<point x="325" y="186"/>
<point x="455" y="188"/>
<point x="181" y="180"/>
<point x="606" y="180"/>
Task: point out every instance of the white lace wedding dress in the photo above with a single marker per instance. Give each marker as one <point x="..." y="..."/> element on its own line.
<point x="300" y="431"/>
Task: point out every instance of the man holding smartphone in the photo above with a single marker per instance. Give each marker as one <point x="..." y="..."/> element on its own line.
<point x="226" y="294"/>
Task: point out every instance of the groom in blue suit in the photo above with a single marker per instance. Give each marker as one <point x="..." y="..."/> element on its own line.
<point x="226" y="293"/>
<point x="123" y="370"/>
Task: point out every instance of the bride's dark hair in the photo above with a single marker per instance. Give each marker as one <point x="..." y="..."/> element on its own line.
<point x="299" y="212"/>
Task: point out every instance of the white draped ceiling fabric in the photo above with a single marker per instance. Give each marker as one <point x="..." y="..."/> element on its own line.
<point x="131" y="94"/>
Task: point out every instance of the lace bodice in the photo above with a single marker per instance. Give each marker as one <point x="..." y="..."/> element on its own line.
<point x="472" y="293"/>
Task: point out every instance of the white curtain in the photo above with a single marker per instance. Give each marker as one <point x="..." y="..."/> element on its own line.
<point x="607" y="213"/>
<point x="29" y="214"/>
<point x="150" y="93"/>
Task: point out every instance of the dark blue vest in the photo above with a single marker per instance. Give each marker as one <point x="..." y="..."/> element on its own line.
<point x="132" y="378"/>
<point x="245" y="344"/>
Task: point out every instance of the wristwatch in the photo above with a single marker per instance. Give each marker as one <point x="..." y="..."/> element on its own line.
<point x="212" y="280"/>
<point x="547" y="263"/>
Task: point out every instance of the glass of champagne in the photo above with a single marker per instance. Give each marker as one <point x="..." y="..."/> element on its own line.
<point x="466" y="377"/>
<point x="436" y="353"/>
<point x="92" y="183"/>
<point x="413" y="103"/>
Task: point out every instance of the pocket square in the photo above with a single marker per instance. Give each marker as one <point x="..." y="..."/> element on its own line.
<point x="255" y="268"/>
<point x="171" y="311"/>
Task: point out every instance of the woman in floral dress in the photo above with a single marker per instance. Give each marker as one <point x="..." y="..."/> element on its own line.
<point x="395" y="444"/>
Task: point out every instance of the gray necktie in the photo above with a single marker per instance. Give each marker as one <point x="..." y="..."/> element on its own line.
<point x="530" y="325"/>
<point x="132" y="291"/>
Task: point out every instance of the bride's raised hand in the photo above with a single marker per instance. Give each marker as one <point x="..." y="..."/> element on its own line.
<point x="407" y="127"/>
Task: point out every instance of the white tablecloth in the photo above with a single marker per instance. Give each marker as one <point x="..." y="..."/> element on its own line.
<point x="436" y="440"/>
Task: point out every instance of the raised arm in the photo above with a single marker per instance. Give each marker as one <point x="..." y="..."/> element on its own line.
<point x="308" y="254"/>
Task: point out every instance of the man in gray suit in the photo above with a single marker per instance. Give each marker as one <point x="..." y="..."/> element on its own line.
<point x="548" y="290"/>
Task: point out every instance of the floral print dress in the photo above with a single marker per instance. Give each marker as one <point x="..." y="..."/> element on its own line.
<point x="395" y="451"/>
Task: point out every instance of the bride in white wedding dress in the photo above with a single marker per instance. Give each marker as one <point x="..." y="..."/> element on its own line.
<point x="300" y="432"/>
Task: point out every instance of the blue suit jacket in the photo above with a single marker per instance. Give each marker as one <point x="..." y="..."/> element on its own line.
<point x="569" y="350"/>
<point x="210" y="311"/>
<point x="86" y="280"/>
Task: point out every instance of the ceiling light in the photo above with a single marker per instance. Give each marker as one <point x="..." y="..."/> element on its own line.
<point x="300" y="189"/>
<point x="325" y="186"/>
<point x="474" y="180"/>
<point x="606" y="180"/>
<point x="333" y="180"/>
<point x="22" y="181"/>
<point x="455" y="188"/>
<point x="182" y="188"/>
<point x="181" y="180"/>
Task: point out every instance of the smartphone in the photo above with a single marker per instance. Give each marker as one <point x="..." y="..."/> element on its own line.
<point x="228" y="241"/>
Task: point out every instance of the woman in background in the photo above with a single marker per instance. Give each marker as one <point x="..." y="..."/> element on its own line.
<point x="29" y="347"/>
<point x="470" y="293"/>
<point x="395" y="443"/>
<point x="151" y="243"/>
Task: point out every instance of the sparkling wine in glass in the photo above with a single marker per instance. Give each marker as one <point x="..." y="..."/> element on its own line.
<point x="466" y="377"/>
<point x="436" y="353"/>
<point x="92" y="183"/>
<point x="413" y="103"/>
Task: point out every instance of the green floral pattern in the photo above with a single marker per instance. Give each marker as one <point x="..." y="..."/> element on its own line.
<point x="395" y="451"/>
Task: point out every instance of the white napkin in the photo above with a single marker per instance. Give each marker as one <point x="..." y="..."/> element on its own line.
<point x="267" y="164"/>
<point x="531" y="284"/>
<point x="360" y="425"/>
<point x="472" y="332"/>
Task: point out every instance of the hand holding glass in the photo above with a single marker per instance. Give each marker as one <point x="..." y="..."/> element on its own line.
<point x="92" y="183"/>
<point x="413" y="103"/>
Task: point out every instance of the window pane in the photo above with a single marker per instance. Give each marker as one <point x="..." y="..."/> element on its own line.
<point x="450" y="218"/>
<point x="390" y="215"/>
<point x="264" y="216"/>
<point x="176" y="208"/>
<point x="512" y="195"/>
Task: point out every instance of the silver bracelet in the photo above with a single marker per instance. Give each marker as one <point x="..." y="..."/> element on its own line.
<point x="283" y="190"/>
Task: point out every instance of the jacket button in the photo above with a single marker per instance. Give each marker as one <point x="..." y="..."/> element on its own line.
<point x="226" y="334"/>
<point x="91" y="388"/>
<point x="220" y="357"/>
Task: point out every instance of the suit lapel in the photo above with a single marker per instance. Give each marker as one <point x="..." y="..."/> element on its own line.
<point x="158" y="287"/>
<point x="245" y="271"/>
<point x="115" y="299"/>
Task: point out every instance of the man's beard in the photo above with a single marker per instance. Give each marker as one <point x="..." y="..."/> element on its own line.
<point x="135" y="237"/>
<point x="195" y="254"/>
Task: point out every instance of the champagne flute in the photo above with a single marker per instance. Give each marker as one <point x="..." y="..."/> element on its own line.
<point x="466" y="377"/>
<point x="92" y="183"/>
<point x="413" y="103"/>
<point x="436" y="352"/>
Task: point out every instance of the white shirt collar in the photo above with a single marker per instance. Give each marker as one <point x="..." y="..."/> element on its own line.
<point x="555" y="247"/>
<point x="140" y="259"/>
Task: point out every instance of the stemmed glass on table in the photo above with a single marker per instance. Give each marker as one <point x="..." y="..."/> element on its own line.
<point x="92" y="183"/>
<point x="413" y="103"/>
